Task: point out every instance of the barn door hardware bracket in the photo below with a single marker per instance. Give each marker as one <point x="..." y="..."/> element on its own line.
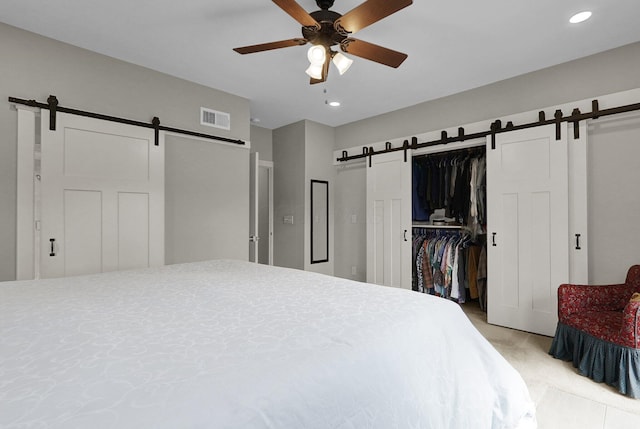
<point x="444" y="137"/>
<point x="496" y="126"/>
<point x="52" y="101"/>
<point x="576" y="124"/>
<point x="461" y="136"/>
<point x="156" y="129"/>
<point x="558" y="121"/>
<point x="595" y="109"/>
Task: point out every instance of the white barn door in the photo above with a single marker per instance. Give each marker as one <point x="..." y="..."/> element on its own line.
<point x="528" y="228"/>
<point x="389" y="220"/>
<point x="102" y="204"/>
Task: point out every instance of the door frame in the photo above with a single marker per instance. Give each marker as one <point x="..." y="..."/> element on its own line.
<point x="254" y="211"/>
<point x="269" y="166"/>
<point x="27" y="239"/>
<point x="254" y="217"/>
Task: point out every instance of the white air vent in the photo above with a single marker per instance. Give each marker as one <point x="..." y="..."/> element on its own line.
<point x="213" y="118"/>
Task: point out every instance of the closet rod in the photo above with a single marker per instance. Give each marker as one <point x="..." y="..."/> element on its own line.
<point x="496" y="128"/>
<point x="53" y="107"/>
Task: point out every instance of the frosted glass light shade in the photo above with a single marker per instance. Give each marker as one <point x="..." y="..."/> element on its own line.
<point x="316" y="54"/>
<point x="342" y="62"/>
<point x="315" y="71"/>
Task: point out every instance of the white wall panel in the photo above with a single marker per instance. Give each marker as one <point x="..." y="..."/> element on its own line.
<point x="133" y="230"/>
<point x="82" y="232"/>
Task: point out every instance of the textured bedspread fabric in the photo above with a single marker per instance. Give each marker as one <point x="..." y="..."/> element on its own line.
<point x="230" y="344"/>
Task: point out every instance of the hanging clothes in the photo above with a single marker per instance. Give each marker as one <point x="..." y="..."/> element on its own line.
<point x="421" y="208"/>
<point x="445" y="263"/>
<point x="454" y="181"/>
<point x="482" y="279"/>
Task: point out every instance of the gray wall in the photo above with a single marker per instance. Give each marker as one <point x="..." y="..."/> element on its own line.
<point x="319" y="142"/>
<point x="33" y="67"/>
<point x="614" y="198"/>
<point x="608" y="72"/>
<point x="206" y="201"/>
<point x="301" y="151"/>
<point x="262" y="142"/>
<point x="350" y="222"/>
<point x="289" y="195"/>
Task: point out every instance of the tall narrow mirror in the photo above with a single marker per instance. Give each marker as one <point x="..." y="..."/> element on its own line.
<point x="319" y="221"/>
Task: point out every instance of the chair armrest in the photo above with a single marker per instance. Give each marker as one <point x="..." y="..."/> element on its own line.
<point x="576" y="298"/>
<point x="630" y="330"/>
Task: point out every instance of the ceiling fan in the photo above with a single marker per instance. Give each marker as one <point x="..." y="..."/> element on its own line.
<point x="325" y="28"/>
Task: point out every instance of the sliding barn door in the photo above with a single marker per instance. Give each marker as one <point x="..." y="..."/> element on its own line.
<point x="528" y="228"/>
<point x="102" y="204"/>
<point x="389" y="220"/>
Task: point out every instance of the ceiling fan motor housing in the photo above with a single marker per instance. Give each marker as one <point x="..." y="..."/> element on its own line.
<point x="324" y="4"/>
<point x="327" y="35"/>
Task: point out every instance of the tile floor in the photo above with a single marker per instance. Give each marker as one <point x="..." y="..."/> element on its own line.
<point x="564" y="399"/>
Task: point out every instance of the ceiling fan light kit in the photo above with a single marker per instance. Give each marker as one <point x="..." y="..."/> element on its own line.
<point x="325" y="28"/>
<point x="314" y="71"/>
<point x="317" y="54"/>
<point x="342" y="62"/>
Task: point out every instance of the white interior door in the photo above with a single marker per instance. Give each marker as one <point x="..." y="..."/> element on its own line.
<point x="389" y="220"/>
<point x="102" y="204"/>
<point x="527" y="215"/>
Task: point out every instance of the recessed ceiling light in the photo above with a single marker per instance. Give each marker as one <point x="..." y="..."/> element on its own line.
<point x="580" y="17"/>
<point x="334" y="103"/>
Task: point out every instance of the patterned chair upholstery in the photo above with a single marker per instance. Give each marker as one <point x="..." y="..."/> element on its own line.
<point x="599" y="331"/>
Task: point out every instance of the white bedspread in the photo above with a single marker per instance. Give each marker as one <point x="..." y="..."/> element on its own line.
<point x="230" y="344"/>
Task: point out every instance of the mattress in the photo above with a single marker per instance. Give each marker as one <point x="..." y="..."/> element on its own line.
<point x="231" y="344"/>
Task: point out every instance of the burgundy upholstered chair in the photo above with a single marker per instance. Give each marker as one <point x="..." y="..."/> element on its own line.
<point x="599" y="331"/>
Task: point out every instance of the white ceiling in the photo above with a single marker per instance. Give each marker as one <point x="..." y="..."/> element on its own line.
<point x="452" y="45"/>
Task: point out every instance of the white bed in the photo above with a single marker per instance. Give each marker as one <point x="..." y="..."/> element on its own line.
<point x="230" y="344"/>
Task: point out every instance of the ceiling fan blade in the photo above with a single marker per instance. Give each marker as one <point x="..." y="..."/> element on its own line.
<point x="268" y="46"/>
<point x="373" y="52"/>
<point x="367" y="13"/>
<point x="297" y="12"/>
<point x="325" y="71"/>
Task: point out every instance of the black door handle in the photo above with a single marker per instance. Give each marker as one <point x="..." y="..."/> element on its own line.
<point x="493" y="239"/>
<point x="578" y="242"/>
<point x="53" y="250"/>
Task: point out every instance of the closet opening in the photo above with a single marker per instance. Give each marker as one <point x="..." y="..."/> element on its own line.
<point x="449" y="224"/>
